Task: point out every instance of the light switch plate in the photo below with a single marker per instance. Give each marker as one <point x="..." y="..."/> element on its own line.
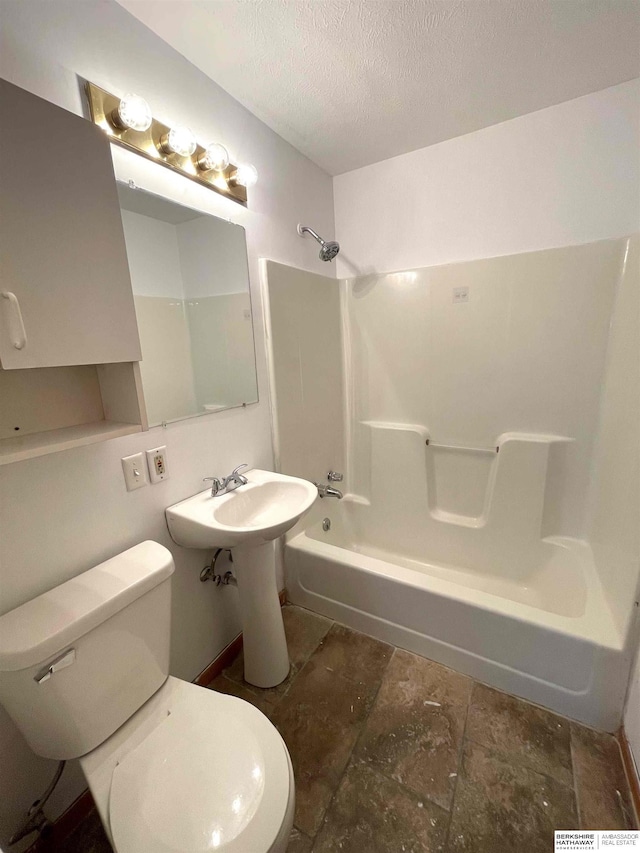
<point x="157" y="462"/>
<point x="135" y="472"/>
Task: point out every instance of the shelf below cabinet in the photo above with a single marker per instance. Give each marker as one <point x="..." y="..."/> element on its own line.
<point x="45" y="410"/>
<point x="52" y="441"/>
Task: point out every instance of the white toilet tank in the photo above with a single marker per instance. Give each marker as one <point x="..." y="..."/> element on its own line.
<point x="79" y="660"/>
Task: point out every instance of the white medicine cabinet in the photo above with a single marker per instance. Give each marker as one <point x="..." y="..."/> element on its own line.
<point x="69" y="345"/>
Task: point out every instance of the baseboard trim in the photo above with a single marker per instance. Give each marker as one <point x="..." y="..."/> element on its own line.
<point x="70" y="819"/>
<point x="227" y="655"/>
<point x="631" y="771"/>
<point x="224" y="659"/>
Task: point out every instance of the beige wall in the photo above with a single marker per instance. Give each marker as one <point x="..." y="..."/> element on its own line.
<point x="526" y="353"/>
<point x="167" y="376"/>
<point x="306" y="353"/>
<point x="222" y="349"/>
<point x="613" y="523"/>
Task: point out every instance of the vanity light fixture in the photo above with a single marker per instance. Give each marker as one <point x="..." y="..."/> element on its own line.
<point x="215" y="158"/>
<point x="128" y="122"/>
<point x="132" y="112"/>
<point x="244" y="176"/>
<point x="179" y="140"/>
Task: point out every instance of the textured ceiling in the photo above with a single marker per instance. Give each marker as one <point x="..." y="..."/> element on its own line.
<point x="352" y="82"/>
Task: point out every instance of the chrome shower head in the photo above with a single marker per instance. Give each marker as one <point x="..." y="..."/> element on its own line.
<point x="328" y="251"/>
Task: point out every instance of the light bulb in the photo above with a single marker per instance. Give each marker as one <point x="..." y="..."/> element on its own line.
<point x="180" y="140"/>
<point x="245" y="176"/>
<point x="133" y="112"/>
<point x="215" y="157"/>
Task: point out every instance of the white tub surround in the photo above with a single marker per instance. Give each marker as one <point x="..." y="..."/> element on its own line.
<point x="471" y="427"/>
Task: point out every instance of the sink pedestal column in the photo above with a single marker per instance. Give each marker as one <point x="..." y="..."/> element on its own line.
<point x="266" y="658"/>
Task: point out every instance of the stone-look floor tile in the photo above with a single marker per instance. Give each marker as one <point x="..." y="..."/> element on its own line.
<point x="235" y="672"/>
<point x="88" y="837"/>
<point x="506" y="807"/>
<point x="375" y="814"/>
<point x="352" y="655"/>
<point x="319" y="750"/>
<point x="299" y="842"/>
<point x="321" y="716"/>
<point x="222" y="684"/>
<point x="324" y="693"/>
<point x="601" y="784"/>
<point x="304" y="631"/>
<point x="522" y="733"/>
<point x="414" y="731"/>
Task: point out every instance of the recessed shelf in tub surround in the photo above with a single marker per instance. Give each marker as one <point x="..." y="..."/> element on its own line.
<point x="472" y="487"/>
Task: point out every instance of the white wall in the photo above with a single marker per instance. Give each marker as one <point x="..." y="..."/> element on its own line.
<point x="564" y="175"/>
<point x="63" y="513"/>
<point x="213" y="257"/>
<point x="632" y="713"/>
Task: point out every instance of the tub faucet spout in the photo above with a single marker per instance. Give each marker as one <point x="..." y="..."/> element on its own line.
<point x="328" y="491"/>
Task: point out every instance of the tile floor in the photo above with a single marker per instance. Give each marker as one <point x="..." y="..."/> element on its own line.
<point x="393" y="753"/>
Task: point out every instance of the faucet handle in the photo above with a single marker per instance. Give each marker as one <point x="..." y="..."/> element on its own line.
<point x="234" y="473"/>
<point x="335" y="477"/>
<point x="216" y="485"/>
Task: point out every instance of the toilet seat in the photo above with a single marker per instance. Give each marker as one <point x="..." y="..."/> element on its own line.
<point x="199" y="771"/>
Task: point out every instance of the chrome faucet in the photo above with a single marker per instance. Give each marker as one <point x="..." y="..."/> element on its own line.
<point x="227" y="484"/>
<point x="330" y="491"/>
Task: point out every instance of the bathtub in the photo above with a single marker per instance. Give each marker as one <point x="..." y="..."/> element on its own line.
<point x="543" y="632"/>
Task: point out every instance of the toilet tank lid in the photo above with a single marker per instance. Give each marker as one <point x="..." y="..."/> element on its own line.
<point x="44" y="626"/>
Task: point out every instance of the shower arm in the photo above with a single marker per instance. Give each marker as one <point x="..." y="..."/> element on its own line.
<point x="302" y="229"/>
<point x="328" y="249"/>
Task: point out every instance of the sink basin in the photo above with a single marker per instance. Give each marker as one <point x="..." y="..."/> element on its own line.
<point x="264" y="509"/>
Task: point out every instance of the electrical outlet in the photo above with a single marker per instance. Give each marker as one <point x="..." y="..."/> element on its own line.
<point x="135" y="474"/>
<point x="460" y="294"/>
<point x="157" y="462"/>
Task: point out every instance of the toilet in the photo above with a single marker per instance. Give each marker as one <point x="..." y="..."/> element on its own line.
<point x="84" y="673"/>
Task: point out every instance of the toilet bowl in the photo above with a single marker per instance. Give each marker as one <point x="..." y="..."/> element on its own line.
<point x="171" y="766"/>
<point x="193" y="770"/>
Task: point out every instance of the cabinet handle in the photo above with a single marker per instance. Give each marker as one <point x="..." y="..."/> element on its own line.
<point x="17" y="333"/>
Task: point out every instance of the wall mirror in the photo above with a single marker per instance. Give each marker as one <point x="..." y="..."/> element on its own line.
<point x="190" y="281"/>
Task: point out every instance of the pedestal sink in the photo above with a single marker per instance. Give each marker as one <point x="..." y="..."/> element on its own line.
<point x="247" y="520"/>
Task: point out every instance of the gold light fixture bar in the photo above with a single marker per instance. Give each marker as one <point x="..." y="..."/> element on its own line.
<point x="149" y="143"/>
